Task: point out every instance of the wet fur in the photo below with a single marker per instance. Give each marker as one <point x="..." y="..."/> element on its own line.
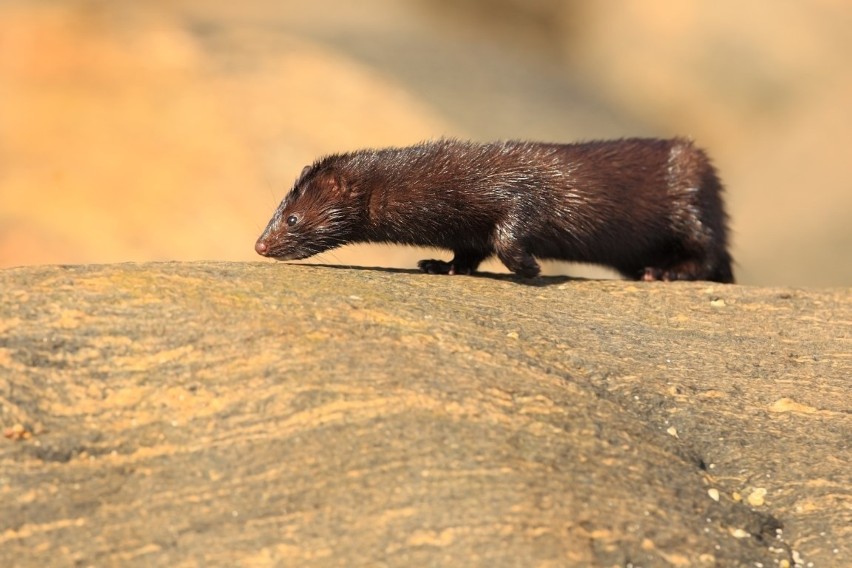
<point x="651" y="209"/>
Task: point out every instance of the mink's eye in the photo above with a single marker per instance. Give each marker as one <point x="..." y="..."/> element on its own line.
<point x="292" y="220"/>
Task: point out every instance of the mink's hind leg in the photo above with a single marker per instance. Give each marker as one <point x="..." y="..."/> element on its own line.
<point x="684" y="270"/>
<point x="692" y="260"/>
<point x="463" y="262"/>
<point x="652" y="274"/>
<point x="689" y="270"/>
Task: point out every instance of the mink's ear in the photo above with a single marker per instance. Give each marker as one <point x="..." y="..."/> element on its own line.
<point x="338" y="185"/>
<point x="302" y="175"/>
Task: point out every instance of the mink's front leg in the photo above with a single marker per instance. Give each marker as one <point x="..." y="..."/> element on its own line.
<point x="512" y="253"/>
<point x="519" y="261"/>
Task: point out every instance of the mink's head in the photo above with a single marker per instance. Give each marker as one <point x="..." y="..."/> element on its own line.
<point x="320" y="213"/>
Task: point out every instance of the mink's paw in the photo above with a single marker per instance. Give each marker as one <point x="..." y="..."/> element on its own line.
<point x="440" y="267"/>
<point x="431" y="266"/>
<point x="651" y="274"/>
<point x="525" y="267"/>
<point x="670" y="275"/>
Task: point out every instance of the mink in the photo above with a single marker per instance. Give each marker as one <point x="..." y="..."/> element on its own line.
<point x="650" y="208"/>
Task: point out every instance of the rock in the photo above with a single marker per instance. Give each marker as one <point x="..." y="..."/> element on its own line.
<point x="233" y="414"/>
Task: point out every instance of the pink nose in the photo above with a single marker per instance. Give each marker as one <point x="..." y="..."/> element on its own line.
<point x="261" y="248"/>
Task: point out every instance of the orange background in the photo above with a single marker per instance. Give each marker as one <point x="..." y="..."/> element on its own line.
<point x="134" y="131"/>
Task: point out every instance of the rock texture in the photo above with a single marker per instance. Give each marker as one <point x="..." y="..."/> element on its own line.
<point x="250" y="414"/>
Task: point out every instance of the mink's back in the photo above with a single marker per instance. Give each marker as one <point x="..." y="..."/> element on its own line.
<point x="595" y="201"/>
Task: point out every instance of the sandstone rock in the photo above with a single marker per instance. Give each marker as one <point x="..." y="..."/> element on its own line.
<point x="234" y="414"/>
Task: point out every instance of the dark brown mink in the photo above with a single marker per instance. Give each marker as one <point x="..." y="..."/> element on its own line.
<point x="649" y="208"/>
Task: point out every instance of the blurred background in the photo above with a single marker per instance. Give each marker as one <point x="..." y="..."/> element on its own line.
<point x="170" y="129"/>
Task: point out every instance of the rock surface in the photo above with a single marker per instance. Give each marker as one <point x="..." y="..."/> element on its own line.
<point x="242" y="414"/>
